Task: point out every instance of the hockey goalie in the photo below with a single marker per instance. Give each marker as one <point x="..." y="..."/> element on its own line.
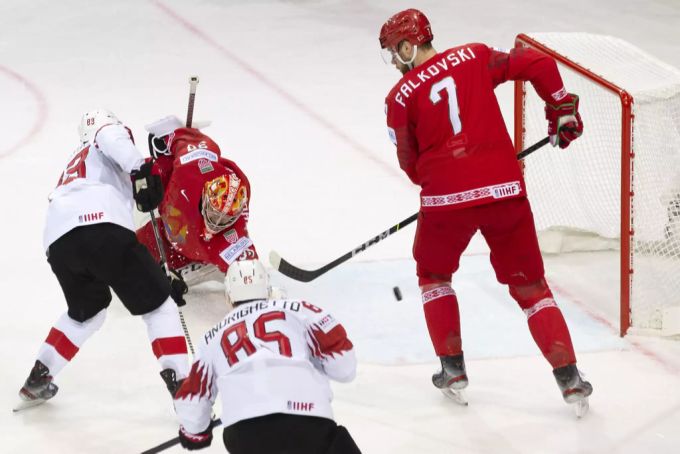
<point x="204" y="212"/>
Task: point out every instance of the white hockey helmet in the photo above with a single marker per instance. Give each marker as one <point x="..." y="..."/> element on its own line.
<point x="92" y="120"/>
<point x="246" y="280"/>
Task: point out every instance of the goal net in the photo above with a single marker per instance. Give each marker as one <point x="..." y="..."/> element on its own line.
<point x="617" y="188"/>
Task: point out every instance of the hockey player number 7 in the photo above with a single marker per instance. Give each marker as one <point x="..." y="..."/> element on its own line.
<point x="449" y="85"/>
<point x="241" y="340"/>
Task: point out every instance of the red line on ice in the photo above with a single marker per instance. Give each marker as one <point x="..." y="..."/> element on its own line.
<point x="40" y="118"/>
<point x="634" y="344"/>
<point x="279" y="90"/>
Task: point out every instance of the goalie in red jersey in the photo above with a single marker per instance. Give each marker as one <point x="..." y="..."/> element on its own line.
<point x="451" y="140"/>
<point x="204" y="213"/>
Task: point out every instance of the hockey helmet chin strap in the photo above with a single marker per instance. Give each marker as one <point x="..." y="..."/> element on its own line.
<point x="408" y="63"/>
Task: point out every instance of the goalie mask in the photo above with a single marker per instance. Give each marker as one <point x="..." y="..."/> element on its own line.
<point x="246" y="280"/>
<point x="92" y="121"/>
<point x="224" y="199"/>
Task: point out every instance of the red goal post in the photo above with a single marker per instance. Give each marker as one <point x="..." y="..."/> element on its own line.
<point x="599" y="170"/>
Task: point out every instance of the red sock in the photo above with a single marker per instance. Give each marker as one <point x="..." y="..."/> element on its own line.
<point x="546" y="323"/>
<point x="443" y="320"/>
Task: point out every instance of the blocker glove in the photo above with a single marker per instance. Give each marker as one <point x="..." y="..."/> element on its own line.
<point x="195" y="441"/>
<point x="147" y="188"/>
<point x="564" y="121"/>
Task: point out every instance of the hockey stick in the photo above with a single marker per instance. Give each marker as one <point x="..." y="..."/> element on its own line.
<point x="288" y="269"/>
<point x="193" y="81"/>
<point x="175" y="441"/>
<point x="164" y="265"/>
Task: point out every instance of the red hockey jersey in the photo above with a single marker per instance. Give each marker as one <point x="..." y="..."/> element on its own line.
<point x="196" y="160"/>
<point x="446" y="123"/>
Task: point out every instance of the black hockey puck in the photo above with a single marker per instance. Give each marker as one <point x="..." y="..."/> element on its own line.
<point x="397" y="293"/>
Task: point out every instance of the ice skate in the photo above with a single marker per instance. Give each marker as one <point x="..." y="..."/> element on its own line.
<point x="575" y="390"/>
<point x="169" y="376"/>
<point x="452" y="378"/>
<point x="37" y="389"/>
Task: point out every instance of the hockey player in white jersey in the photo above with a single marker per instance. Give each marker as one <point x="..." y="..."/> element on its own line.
<point x="270" y="361"/>
<point x="91" y="246"/>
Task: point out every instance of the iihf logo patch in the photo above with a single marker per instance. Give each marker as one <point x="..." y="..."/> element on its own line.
<point x="292" y="405"/>
<point x="89" y="217"/>
<point x="205" y="166"/>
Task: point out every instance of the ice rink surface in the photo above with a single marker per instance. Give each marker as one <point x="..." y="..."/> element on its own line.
<point x="295" y="92"/>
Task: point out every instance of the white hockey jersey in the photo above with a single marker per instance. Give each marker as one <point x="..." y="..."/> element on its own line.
<point x="264" y="357"/>
<point x="95" y="185"/>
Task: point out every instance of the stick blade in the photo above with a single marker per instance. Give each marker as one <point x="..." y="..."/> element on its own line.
<point x="275" y="259"/>
<point x="288" y="269"/>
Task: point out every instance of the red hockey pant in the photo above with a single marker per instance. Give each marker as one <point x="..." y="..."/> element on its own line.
<point x="508" y="228"/>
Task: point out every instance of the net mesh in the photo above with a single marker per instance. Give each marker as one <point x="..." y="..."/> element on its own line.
<point x="576" y="193"/>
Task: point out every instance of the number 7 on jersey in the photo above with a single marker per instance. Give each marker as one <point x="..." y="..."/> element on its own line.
<point x="449" y="85"/>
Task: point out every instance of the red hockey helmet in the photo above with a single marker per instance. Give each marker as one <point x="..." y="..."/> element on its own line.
<point x="224" y="199"/>
<point x="410" y="25"/>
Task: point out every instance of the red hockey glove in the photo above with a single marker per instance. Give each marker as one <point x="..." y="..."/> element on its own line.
<point x="147" y="188"/>
<point x="195" y="441"/>
<point x="564" y="121"/>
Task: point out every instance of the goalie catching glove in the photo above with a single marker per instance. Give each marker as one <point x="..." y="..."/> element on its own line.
<point x="564" y="121"/>
<point x="147" y="188"/>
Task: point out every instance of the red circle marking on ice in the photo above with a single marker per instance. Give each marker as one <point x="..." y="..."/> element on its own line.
<point x="40" y="117"/>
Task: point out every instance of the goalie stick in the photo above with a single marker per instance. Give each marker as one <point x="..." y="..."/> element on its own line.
<point x="193" y="81"/>
<point x="288" y="269"/>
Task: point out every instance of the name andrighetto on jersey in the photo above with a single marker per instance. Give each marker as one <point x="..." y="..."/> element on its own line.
<point x="248" y="309"/>
<point x="450" y="60"/>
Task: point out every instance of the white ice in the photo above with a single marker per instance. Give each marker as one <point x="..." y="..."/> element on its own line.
<point x="295" y="92"/>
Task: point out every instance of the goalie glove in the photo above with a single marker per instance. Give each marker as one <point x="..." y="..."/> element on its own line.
<point x="564" y="121"/>
<point x="147" y="188"/>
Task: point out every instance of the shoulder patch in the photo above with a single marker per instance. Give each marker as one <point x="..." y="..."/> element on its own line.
<point x="326" y="323"/>
<point x="230" y="235"/>
<point x="198" y="154"/>
<point x="392" y="134"/>
<point x="231" y="253"/>
<point x="205" y="166"/>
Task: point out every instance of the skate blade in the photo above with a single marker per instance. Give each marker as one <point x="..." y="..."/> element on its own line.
<point x="458" y="396"/>
<point x="25" y="404"/>
<point x="581" y="407"/>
